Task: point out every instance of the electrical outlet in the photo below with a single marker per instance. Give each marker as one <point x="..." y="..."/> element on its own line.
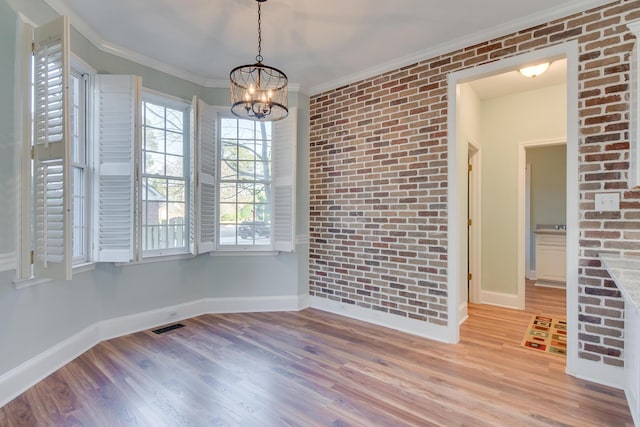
<point x="607" y="202"/>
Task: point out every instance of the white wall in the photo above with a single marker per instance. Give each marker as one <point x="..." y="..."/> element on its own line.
<point x="469" y="105"/>
<point x="7" y="132"/>
<point x="505" y="123"/>
<point x="36" y="318"/>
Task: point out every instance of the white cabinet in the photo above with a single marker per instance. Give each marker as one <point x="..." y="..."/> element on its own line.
<point x="551" y="258"/>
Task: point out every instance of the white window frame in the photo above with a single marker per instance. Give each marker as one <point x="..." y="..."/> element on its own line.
<point x="241" y="245"/>
<point x="167" y="101"/>
<point x="85" y="73"/>
<point x="25" y="271"/>
<point x="283" y="177"/>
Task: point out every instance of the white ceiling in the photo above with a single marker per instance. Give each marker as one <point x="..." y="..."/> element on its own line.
<point x="514" y="82"/>
<point x="319" y="44"/>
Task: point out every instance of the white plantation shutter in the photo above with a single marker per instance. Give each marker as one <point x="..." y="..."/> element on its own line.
<point x="193" y="111"/>
<point x="51" y="151"/>
<point x="117" y="106"/>
<point x="206" y="165"/>
<point x="284" y="140"/>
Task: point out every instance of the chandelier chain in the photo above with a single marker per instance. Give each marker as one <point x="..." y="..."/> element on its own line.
<point x="259" y="56"/>
<point x="259" y="92"/>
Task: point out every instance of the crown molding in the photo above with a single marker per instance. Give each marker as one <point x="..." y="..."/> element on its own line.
<point x="153" y="63"/>
<point x="94" y="38"/>
<point x="79" y="24"/>
<point x="571" y="7"/>
<point x="216" y="83"/>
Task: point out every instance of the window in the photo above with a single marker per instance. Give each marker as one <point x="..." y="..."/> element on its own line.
<point x="245" y="183"/>
<point x="256" y="187"/>
<point x="112" y="176"/>
<point x="79" y="194"/>
<point x="59" y="203"/>
<point x="165" y="179"/>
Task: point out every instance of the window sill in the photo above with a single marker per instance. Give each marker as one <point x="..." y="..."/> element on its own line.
<point x="81" y="268"/>
<point x="32" y="281"/>
<point x="35" y="281"/>
<point x="241" y="252"/>
<point x="156" y="258"/>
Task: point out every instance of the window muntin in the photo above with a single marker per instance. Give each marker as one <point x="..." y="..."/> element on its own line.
<point x="245" y="191"/>
<point x="164" y="180"/>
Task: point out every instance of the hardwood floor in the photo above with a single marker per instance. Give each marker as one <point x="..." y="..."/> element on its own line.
<point x="312" y="368"/>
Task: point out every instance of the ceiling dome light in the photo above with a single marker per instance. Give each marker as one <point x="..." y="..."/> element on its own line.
<point x="259" y="92"/>
<point x="534" y="70"/>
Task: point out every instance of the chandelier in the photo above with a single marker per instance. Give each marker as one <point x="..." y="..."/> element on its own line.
<point x="259" y="92"/>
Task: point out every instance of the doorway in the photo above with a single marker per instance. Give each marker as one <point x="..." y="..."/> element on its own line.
<point x="458" y="203"/>
<point x="544" y="202"/>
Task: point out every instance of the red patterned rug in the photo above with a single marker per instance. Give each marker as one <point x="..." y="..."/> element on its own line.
<point x="546" y="334"/>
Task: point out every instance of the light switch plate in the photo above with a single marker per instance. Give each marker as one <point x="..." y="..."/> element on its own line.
<point x="607" y="202"/>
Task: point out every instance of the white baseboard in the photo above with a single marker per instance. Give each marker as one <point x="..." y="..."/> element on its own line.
<point x="404" y="324"/>
<point x="463" y="312"/>
<point x="26" y="375"/>
<point x="19" y="379"/>
<point x="500" y="299"/>
<point x="551" y="284"/>
<point x="463" y="319"/>
<point x="635" y="412"/>
<point x="597" y="372"/>
<point x="303" y="301"/>
<point x="119" y="326"/>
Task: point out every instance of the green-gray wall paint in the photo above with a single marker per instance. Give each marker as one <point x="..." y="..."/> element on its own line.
<point x="36" y="318"/>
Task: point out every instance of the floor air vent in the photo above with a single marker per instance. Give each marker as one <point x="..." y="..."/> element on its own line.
<point x="168" y="328"/>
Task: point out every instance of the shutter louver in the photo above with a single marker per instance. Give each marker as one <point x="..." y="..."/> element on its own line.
<point x="207" y="163"/>
<point x="52" y="146"/>
<point x="118" y="111"/>
<point x="284" y="178"/>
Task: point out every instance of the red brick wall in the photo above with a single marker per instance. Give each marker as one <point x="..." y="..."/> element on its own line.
<point x="378" y="184"/>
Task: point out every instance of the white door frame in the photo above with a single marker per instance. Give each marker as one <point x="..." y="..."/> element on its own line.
<point x="527" y="223"/>
<point x="475" y="197"/>
<point x="456" y="199"/>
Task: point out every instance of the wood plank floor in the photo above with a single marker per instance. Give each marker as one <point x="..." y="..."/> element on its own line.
<point x="312" y="368"/>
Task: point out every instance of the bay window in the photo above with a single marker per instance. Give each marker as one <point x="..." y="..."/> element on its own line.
<point x="125" y="175"/>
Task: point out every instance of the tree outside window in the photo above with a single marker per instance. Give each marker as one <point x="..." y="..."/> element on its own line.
<point x="245" y="182"/>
